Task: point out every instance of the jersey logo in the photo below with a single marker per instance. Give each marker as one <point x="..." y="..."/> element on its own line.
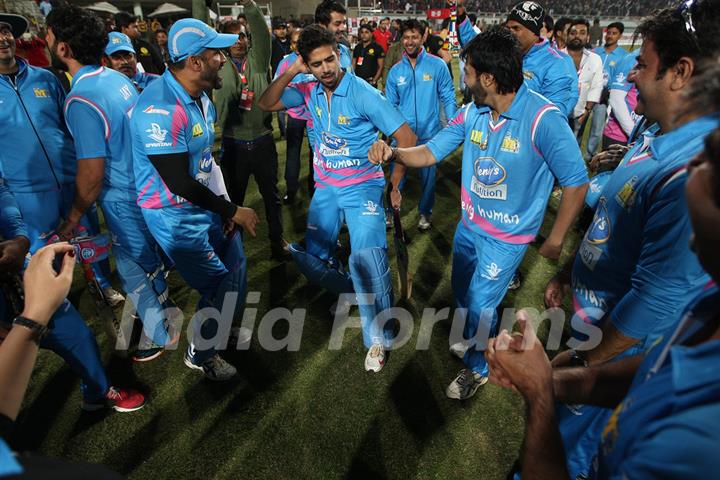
<point x="510" y="144"/>
<point x="528" y="75"/>
<point x="476" y="137"/>
<point x="343" y="120"/>
<point x="427" y="77"/>
<point x="156" y="133"/>
<point x="206" y="161"/>
<point x="371" y="51"/>
<point x="197" y="130"/>
<point x="371" y="208"/>
<point x="612" y="63"/>
<point x="333" y="146"/>
<point x="40" y="92"/>
<point x="488" y="178"/>
<point x="318" y="110"/>
<point x="125" y="92"/>
<point x="152" y="109"/>
<point x="626" y="196"/>
<point x="620" y="77"/>
<point x="599" y="231"/>
<point x="401" y="80"/>
<point x="144" y="51"/>
<point x="491" y="272"/>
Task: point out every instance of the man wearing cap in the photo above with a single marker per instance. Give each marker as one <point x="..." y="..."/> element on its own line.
<point x="546" y="71"/>
<point x="247" y="138"/>
<point x="97" y="114"/>
<point x="280" y="42"/>
<point x="181" y="191"/>
<point x="120" y="56"/>
<point x="34" y="168"/>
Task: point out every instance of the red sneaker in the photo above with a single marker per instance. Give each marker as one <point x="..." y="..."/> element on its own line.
<point x="119" y="399"/>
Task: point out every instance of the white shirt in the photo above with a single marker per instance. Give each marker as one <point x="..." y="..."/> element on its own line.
<point x="590" y="80"/>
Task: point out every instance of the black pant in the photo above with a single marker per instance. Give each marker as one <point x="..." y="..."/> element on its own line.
<point x="260" y="160"/>
<point x="607" y="141"/>
<point x="294" y="133"/>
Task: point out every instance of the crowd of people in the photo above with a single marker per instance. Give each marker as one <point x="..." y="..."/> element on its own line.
<point x="612" y="8"/>
<point x="164" y="138"/>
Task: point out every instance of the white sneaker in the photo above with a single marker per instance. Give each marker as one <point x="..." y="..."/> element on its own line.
<point x="458" y="349"/>
<point x="465" y="384"/>
<point x="375" y="358"/>
<point x="113" y="297"/>
<point x="424" y="223"/>
<point x="214" y="368"/>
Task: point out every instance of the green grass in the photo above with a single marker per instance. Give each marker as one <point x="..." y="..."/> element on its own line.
<point x="314" y="413"/>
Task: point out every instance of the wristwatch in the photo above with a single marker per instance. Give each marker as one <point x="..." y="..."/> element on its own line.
<point x="39" y="331"/>
<point x="578" y="359"/>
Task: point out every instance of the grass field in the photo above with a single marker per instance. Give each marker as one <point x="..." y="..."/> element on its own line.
<point x="313" y="413"/>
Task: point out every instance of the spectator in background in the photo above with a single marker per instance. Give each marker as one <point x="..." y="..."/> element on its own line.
<point x="547" y="29"/>
<point x="395" y="25"/>
<point x="589" y="69"/>
<point x="242" y="18"/>
<point x="368" y="57"/>
<point x="33" y="49"/>
<point x="596" y="33"/>
<point x="560" y="30"/>
<point x="247" y="139"/>
<point x="120" y="56"/>
<point x="382" y="34"/>
<point x="161" y="42"/>
<point x="147" y="55"/>
<point x="280" y="43"/>
<point x="292" y="26"/>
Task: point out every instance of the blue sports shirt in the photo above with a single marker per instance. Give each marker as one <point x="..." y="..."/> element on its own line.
<point x="346" y="125"/>
<point x="508" y="166"/>
<point x="168" y="120"/>
<point x="610" y="61"/>
<point x="97" y="111"/>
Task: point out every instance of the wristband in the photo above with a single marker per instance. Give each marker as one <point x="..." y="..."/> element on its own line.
<point x="38" y="331"/>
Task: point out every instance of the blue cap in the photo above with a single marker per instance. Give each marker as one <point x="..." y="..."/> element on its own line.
<point x="118" y="42"/>
<point x="190" y="36"/>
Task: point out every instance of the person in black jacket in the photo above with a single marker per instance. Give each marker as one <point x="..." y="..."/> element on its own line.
<point x="147" y="55"/>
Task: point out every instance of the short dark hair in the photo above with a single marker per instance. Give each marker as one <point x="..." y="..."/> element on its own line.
<point x="672" y="40"/>
<point x="241" y="15"/>
<point x="365" y="26"/>
<point x="160" y="30"/>
<point x="561" y="23"/>
<point x="548" y="22"/>
<point x="294" y="23"/>
<point x="326" y="7"/>
<point x="386" y="18"/>
<point x="312" y="37"/>
<point x="229" y="26"/>
<point x="497" y="52"/>
<point x="580" y="21"/>
<point x="619" y="25"/>
<point x="123" y="19"/>
<point x="80" y="28"/>
<point x="412" y="24"/>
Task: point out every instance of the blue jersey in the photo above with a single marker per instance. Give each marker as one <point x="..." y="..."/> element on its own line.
<point x="143" y="79"/>
<point x="97" y="111"/>
<point x="610" y="61"/>
<point x="634" y="262"/>
<point x="546" y="70"/>
<point x="39" y="155"/>
<point x="419" y="91"/>
<point x="667" y="424"/>
<point x="346" y="125"/>
<point x="167" y="120"/>
<point x="11" y="221"/>
<point x="508" y="165"/>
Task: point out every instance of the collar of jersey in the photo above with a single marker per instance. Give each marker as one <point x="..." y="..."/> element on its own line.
<point x="672" y="142"/>
<point x="538" y="46"/>
<point x="83" y="71"/>
<point x="181" y="93"/>
<point x="419" y="59"/>
<point x="342" y="89"/>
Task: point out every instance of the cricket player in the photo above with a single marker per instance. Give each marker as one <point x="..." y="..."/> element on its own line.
<point x="417" y="86"/>
<point x="515" y="144"/>
<point x="348" y="115"/>
<point x="181" y="192"/>
<point x="120" y="55"/>
<point x="97" y="113"/>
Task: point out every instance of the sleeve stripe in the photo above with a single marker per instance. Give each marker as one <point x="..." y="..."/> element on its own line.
<point x="95" y="107"/>
<point x="538" y="117"/>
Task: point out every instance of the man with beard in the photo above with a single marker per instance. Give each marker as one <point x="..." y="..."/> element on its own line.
<point x="515" y="145"/>
<point x="589" y="70"/>
<point x="382" y="34"/>
<point x="96" y="112"/>
<point x="181" y="191"/>
<point x="247" y="139"/>
<point x="633" y="271"/>
<point x="333" y="16"/>
<point x="38" y="142"/>
<point x="120" y="56"/>
<point x="348" y="115"/>
<point x="611" y="54"/>
<point x="368" y="57"/>
<point x="546" y="70"/>
<point x="417" y="86"/>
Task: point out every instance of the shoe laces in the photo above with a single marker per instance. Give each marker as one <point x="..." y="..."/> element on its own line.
<point x="376" y="350"/>
<point x="465" y="377"/>
<point x="114" y="394"/>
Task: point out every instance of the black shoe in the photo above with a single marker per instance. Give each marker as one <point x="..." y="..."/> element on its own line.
<point x="289" y="198"/>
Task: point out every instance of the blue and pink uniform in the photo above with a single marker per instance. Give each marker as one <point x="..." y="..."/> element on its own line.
<point x="418" y="93"/>
<point x="348" y="188"/>
<point x="508" y="170"/>
<point x="167" y="120"/>
<point x="619" y="82"/>
<point x="97" y="111"/>
<point x="634" y="267"/>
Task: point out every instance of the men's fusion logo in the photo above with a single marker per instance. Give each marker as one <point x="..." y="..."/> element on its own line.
<point x="599" y="231"/>
<point x="333" y="146"/>
<point x="488" y="178"/>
